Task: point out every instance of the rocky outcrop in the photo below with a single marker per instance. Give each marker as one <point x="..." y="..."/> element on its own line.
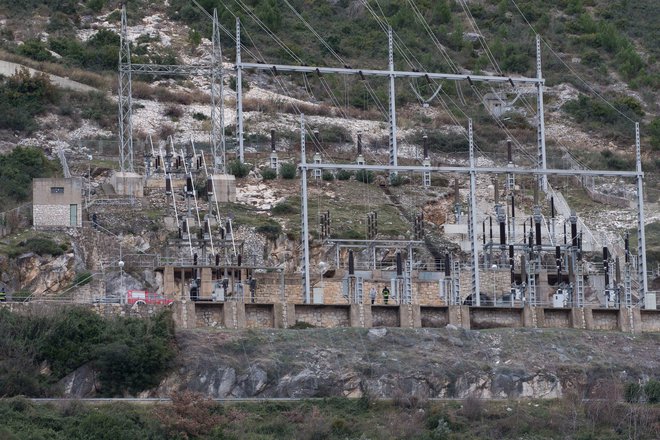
<point x="421" y="363"/>
<point x="44" y="275"/>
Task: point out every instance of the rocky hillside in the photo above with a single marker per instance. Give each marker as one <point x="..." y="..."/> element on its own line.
<point x="421" y="364"/>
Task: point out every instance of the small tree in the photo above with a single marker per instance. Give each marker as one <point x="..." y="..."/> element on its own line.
<point x="364" y="176"/>
<point x="268" y="174"/>
<point x="288" y="170"/>
<point x="238" y="169"/>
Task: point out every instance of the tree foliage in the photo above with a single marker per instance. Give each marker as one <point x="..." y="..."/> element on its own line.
<point x="130" y="354"/>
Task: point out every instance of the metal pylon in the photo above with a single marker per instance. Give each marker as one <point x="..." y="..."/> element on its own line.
<point x="472" y="224"/>
<point x="217" y="101"/>
<point x="407" y="285"/>
<point x="304" y="216"/>
<point x="125" y="100"/>
<point x="392" y="115"/>
<point x="239" y="93"/>
<point x="627" y="285"/>
<point x="579" y="285"/>
<point x="641" y="229"/>
<point x="456" y="283"/>
<point x="531" y="283"/>
<point x="540" y="116"/>
<point x="359" y="290"/>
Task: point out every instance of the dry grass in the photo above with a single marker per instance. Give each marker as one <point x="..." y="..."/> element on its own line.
<point x="101" y="82"/>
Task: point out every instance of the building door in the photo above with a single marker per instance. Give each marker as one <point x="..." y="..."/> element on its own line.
<point x="73" y="215"/>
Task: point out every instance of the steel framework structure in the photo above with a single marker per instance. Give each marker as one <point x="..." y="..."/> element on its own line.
<point x="127" y="69"/>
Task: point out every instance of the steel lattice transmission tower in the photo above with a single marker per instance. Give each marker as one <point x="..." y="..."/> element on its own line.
<point x="125" y="99"/>
<point x="213" y="71"/>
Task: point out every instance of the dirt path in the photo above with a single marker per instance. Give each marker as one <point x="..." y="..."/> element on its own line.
<point x="8" y="68"/>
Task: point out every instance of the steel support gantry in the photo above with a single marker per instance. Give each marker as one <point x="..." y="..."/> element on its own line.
<point x="127" y="69"/>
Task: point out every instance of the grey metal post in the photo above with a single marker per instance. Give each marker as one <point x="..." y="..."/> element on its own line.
<point x="239" y="93"/>
<point x="125" y="98"/>
<point x="541" y="122"/>
<point x="305" y="219"/>
<point x="473" y="221"/>
<point x="217" y="100"/>
<point x="393" y="145"/>
<point x="641" y="233"/>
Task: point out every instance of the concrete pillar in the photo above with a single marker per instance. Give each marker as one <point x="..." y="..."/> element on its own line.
<point x="630" y="320"/>
<point x="578" y="319"/>
<point x="184" y="314"/>
<point x="410" y="316"/>
<point x="360" y="316"/>
<point x="533" y="317"/>
<point x="224" y="188"/>
<point x="459" y="316"/>
<point x="207" y="286"/>
<point x="234" y="315"/>
<point x="169" y="288"/>
<point x="543" y="289"/>
<point x="284" y="315"/>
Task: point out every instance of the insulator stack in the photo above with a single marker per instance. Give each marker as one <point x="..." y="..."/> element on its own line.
<point x="606" y="266"/>
<point x="359" y="144"/>
<point x="209" y="186"/>
<point x="189" y="184"/>
<point x="351" y="262"/>
<point x="425" y="143"/>
<point x="447" y="265"/>
<point x="168" y="184"/>
<point x="399" y="265"/>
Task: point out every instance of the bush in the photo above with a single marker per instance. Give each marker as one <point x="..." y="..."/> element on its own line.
<point x="284" y="208"/>
<point x="364" y="176"/>
<point x="271" y="230"/>
<point x="268" y="174"/>
<point x="328" y="176"/>
<point x="397" y="180"/>
<point x="632" y="392"/>
<point x="173" y="111"/>
<point x="344" y="175"/>
<point x="23" y="97"/>
<point x="130" y="354"/>
<point x="43" y="246"/>
<point x="239" y="169"/>
<point x="82" y="278"/>
<point x="17" y="169"/>
<point x="652" y="391"/>
<point x="288" y="170"/>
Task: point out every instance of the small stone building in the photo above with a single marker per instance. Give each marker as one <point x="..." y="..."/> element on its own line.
<point x="57" y="202"/>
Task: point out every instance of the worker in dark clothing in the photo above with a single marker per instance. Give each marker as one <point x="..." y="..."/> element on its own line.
<point x="3" y="295"/>
<point x="253" y="287"/>
<point x="386" y="294"/>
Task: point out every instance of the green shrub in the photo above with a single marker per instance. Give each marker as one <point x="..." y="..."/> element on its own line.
<point x="239" y="169"/>
<point x="82" y="278"/>
<point x="130" y="354"/>
<point x="284" y="208"/>
<point x="271" y="229"/>
<point x="328" y="176"/>
<point x="18" y="168"/>
<point x="36" y="50"/>
<point x="302" y="325"/>
<point x="344" y="175"/>
<point x="652" y="391"/>
<point x="364" y="176"/>
<point x="632" y="392"/>
<point x="397" y="180"/>
<point x="41" y="246"/>
<point x="288" y="170"/>
<point x="268" y="174"/>
<point x="23" y="97"/>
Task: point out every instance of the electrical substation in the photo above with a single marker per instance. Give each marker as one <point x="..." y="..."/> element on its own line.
<point x="526" y="260"/>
